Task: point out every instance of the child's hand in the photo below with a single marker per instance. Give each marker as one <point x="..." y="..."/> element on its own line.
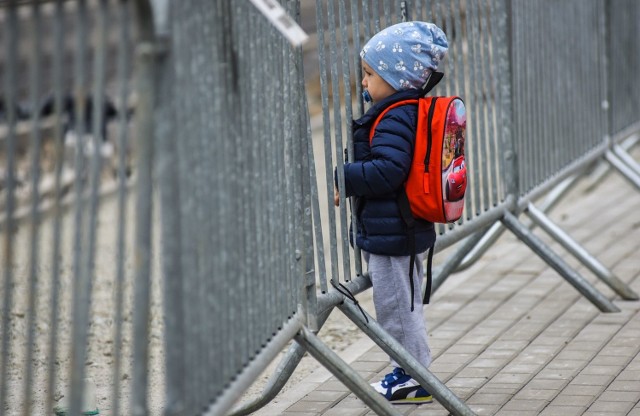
<point x="336" y="197"/>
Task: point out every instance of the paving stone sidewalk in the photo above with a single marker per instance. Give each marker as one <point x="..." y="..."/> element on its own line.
<point x="511" y="337"/>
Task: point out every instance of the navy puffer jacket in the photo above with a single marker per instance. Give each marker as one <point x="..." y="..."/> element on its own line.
<point x="379" y="172"/>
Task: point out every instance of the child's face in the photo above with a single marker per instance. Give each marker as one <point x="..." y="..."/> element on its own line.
<point x="378" y="88"/>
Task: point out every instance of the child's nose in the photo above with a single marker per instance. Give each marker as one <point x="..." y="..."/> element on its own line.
<point x="364" y="82"/>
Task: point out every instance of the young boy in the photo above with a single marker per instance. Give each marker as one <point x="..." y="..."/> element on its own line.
<point x="396" y="63"/>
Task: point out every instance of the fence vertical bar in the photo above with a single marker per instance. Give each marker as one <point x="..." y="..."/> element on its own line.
<point x="166" y="167"/>
<point x="123" y="63"/>
<point x="57" y="221"/>
<point x="146" y="55"/>
<point x="346" y="84"/>
<point x="9" y="82"/>
<point x="80" y="288"/>
<point x="339" y="155"/>
<point x="324" y="92"/>
<point x="34" y="234"/>
<point x="83" y="310"/>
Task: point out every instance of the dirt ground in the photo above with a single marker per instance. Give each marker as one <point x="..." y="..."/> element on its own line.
<point x="101" y="352"/>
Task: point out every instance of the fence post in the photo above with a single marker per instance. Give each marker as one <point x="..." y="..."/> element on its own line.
<point x="147" y="53"/>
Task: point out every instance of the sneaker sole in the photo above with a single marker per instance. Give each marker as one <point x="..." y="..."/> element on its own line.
<point x="413" y="400"/>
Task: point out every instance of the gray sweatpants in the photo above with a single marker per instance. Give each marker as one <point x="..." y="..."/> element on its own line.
<point x="392" y="301"/>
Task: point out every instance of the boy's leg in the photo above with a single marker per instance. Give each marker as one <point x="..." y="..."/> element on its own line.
<point x="392" y="301"/>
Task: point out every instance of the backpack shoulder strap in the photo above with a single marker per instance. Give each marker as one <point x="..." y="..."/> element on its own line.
<point x="382" y="114"/>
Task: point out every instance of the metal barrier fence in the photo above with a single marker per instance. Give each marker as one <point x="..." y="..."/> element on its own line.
<point x="72" y="245"/>
<point x="623" y="61"/>
<point x="554" y="153"/>
<point x="167" y="231"/>
<point x="232" y="189"/>
<point x="539" y="117"/>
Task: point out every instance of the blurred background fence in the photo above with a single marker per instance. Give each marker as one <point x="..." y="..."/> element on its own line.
<point x="167" y="166"/>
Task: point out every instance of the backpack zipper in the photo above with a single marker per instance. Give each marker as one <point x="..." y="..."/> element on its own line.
<point x="432" y="109"/>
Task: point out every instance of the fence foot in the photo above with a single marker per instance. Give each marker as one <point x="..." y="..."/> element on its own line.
<point x="392" y="347"/>
<point x="618" y="164"/>
<point x="280" y="376"/>
<point x="624" y="155"/>
<point x="344" y="373"/>
<point x="553" y="260"/>
<point x="580" y="253"/>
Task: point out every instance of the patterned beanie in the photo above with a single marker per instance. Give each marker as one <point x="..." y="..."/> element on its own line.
<point x="405" y="54"/>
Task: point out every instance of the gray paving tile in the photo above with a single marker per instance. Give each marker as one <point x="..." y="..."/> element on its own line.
<point x="345" y="412"/>
<point x="466" y="382"/>
<point x="484" y="409"/>
<point x="578" y="390"/>
<point x="309" y="406"/>
<point x="570" y="354"/>
<point x="546" y="384"/>
<point x="492" y="385"/>
<point x="629" y="375"/>
<point x="507" y="412"/>
<point x="454" y="358"/>
<point x="553" y="374"/>
<point x="325" y="395"/>
<point x="511" y="378"/>
<point x="552" y="410"/>
<point x="369" y="366"/>
<point x="431" y="409"/>
<point x="560" y="364"/>
<point x="497" y="399"/>
<point x="601" y="406"/>
<point x="605" y="370"/>
<point x="619" y="351"/>
<point x="624" y="385"/>
<point x="525" y="405"/>
<point x="350" y="403"/>
<point x="620" y="360"/>
<point x="591" y="380"/>
<point x="333" y="385"/>
<point x="528" y="393"/>
<point x="478" y="372"/>
<point x="565" y="399"/>
<point x="620" y="396"/>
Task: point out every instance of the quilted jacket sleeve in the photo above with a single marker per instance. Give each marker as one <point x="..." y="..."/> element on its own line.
<point x="386" y="168"/>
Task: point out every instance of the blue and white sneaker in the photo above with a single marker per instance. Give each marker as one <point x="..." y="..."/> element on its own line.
<point x="400" y="388"/>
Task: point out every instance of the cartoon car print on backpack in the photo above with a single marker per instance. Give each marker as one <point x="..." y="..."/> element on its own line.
<point x="457" y="180"/>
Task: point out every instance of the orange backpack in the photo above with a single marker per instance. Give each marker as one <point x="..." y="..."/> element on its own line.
<point x="437" y="181"/>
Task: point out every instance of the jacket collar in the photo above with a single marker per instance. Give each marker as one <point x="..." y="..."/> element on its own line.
<point x="378" y="107"/>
